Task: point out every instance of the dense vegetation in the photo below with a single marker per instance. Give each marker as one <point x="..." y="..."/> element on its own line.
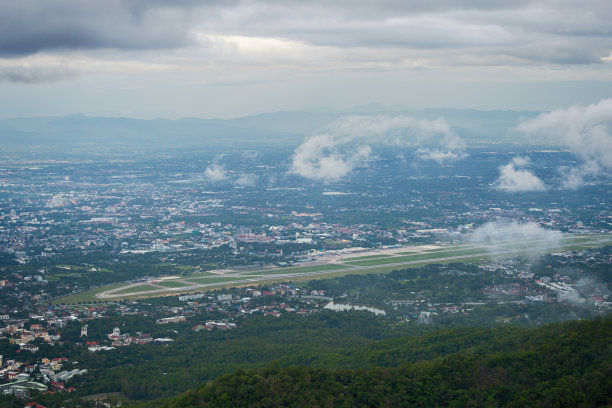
<point x="330" y="343"/>
<point x="568" y="364"/>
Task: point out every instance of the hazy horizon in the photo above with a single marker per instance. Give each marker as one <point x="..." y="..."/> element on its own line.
<point x="225" y="60"/>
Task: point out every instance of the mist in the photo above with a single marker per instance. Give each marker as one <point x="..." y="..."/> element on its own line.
<point x="347" y="143"/>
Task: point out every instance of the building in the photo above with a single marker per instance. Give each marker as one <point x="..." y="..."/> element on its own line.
<point x="425" y="318"/>
<point x="22" y="388"/>
<point x="29" y="347"/>
<point x="174" y="319"/>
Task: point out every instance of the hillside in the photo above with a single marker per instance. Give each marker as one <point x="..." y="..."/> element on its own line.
<point x="567" y="364"/>
<point x="286" y="127"/>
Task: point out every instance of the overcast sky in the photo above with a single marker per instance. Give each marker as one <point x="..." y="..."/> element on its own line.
<point x="154" y="58"/>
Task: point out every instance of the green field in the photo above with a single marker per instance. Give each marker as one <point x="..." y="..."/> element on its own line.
<point x="136" y="289"/>
<point x="451" y="252"/>
<point x="419" y="257"/>
<point x="171" y="284"/>
<point x="379" y="269"/>
<point x="204" y="281"/>
<point x="87" y="296"/>
<point x="429" y="250"/>
<point x="358" y="258"/>
<point x="305" y="269"/>
<point x="201" y="274"/>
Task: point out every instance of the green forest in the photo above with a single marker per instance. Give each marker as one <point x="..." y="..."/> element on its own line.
<point x="560" y="365"/>
<point x="354" y="360"/>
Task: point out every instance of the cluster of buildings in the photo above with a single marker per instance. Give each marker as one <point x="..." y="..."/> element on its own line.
<point x="18" y="333"/>
<point x="119" y="339"/>
<point x="45" y="375"/>
<point x="278" y="299"/>
<point x="214" y="325"/>
<point x="52" y="208"/>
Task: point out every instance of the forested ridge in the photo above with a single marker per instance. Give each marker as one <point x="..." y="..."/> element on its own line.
<point x="564" y="364"/>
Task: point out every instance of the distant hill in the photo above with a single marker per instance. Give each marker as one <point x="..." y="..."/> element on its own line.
<point x="79" y="129"/>
<point x="560" y="365"/>
<point x="284" y="127"/>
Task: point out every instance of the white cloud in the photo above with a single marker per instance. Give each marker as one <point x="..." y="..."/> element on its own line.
<point x="215" y="172"/>
<point x="514" y="179"/>
<point x="440" y="156"/>
<point x="320" y="158"/>
<point x="498" y="236"/>
<point x="586" y="130"/>
<point x="246" y="180"/>
<point x="346" y="144"/>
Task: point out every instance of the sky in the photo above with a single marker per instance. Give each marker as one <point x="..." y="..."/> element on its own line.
<point x="188" y="58"/>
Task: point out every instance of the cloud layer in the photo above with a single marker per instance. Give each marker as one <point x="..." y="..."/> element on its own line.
<point x="30" y="26"/>
<point x="504" y="236"/>
<point x="586" y="130"/>
<point x="473" y="31"/>
<point x="514" y="178"/>
<point x="239" y="57"/>
<point x="34" y="75"/>
<point x="347" y="143"/>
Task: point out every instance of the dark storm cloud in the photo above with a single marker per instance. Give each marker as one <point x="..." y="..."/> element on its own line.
<point x="28" y="75"/>
<point x="522" y="31"/>
<point x="29" y="26"/>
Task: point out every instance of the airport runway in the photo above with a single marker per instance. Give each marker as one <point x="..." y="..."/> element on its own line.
<point x="243" y="277"/>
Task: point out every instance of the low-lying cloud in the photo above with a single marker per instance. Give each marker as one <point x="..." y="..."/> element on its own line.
<point x="586" y="130"/>
<point x="503" y="237"/>
<point x="246" y="180"/>
<point x="514" y="178"/>
<point x="346" y="144"/>
<point x="215" y="172"/>
<point x="439" y="156"/>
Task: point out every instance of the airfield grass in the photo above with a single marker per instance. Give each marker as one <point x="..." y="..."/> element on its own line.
<point x="417" y="257"/>
<point x="200" y="275"/>
<point x="135" y="289"/>
<point x="171" y="284"/>
<point x="425" y="251"/>
<point x="186" y="268"/>
<point x="576" y="239"/>
<point x="449" y="247"/>
<point x="358" y="258"/>
<point x="456" y="252"/>
<point x="304" y="269"/>
<point x="87" y="296"/>
<point x="373" y="262"/>
<point x="217" y="280"/>
<point x="381" y="269"/>
<point x="576" y="247"/>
